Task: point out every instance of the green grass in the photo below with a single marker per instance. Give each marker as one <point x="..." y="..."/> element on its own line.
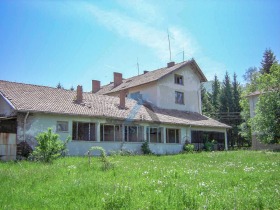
<point x="216" y="180"/>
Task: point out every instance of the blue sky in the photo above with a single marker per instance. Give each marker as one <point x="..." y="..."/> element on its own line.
<point x="73" y="42"/>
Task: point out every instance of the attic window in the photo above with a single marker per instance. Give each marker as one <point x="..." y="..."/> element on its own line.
<point x="178" y="79"/>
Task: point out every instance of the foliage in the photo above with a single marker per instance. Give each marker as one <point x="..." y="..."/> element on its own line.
<point x="250" y="74"/>
<point x="145" y="148"/>
<point x="189" y="148"/>
<point x="59" y="86"/>
<point x="72" y="88"/>
<point x="268" y="60"/>
<point x="216" y="180"/>
<point x="206" y="102"/>
<point x="266" y="122"/>
<point x="103" y="157"/>
<point x="215" y="97"/>
<point x="49" y="146"/>
<point x="209" y="146"/>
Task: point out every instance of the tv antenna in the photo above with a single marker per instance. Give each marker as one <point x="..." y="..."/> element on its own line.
<point x="183" y="52"/>
<point x="169" y="45"/>
<point x="137" y="66"/>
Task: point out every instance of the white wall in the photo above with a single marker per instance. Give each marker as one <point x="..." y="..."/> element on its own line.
<point x="162" y="92"/>
<point x="37" y="123"/>
<point x="253" y="102"/>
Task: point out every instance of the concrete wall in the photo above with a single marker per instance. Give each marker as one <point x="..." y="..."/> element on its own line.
<point x="37" y="123"/>
<point x="5" y="108"/>
<point x="8" y="147"/>
<point x="191" y="90"/>
<point x="162" y="92"/>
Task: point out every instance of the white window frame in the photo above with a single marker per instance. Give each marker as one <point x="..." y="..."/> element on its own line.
<point x="60" y="126"/>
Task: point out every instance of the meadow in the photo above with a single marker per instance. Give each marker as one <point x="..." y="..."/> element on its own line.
<point x="207" y="180"/>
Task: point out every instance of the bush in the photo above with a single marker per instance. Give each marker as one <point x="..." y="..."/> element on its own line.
<point x="189" y="148"/>
<point x="49" y="146"/>
<point x="208" y="146"/>
<point x="145" y="148"/>
<point x="104" y="159"/>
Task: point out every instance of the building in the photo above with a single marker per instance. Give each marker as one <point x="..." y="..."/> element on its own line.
<point x="162" y="107"/>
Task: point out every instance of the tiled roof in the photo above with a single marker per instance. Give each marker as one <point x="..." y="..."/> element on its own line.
<point x="150" y="76"/>
<point x="34" y="98"/>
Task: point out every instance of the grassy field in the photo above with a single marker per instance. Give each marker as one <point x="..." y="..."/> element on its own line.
<point x="216" y="180"/>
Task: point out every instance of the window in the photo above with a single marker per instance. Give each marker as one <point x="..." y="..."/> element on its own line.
<point x="178" y="79"/>
<point x="134" y="133"/>
<point x="110" y="132"/>
<point x="83" y="131"/>
<point x="172" y="135"/>
<point x="179" y="97"/>
<point x="154" y="135"/>
<point x="62" y="126"/>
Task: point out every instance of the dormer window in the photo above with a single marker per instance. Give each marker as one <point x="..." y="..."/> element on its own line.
<point x="179" y="97"/>
<point x="178" y="79"/>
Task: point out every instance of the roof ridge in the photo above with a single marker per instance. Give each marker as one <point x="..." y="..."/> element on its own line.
<point x="34" y="85"/>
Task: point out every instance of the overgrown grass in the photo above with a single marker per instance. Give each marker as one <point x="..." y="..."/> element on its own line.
<point x="216" y="180"/>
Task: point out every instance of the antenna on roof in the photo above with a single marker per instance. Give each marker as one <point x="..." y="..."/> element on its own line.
<point x="183" y="52"/>
<point x="169" y="45"/>
<point x="137" y="65"/>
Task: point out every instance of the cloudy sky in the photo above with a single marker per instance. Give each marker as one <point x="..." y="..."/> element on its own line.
<point x="72" y="42"/>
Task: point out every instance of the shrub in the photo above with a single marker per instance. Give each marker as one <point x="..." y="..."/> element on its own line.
<point x="104" y="159"/>
<point x="208" y="146"/>
<point x="49" y="146"/>
<point x="145" y="148"/>
<point x="188" y="148"/>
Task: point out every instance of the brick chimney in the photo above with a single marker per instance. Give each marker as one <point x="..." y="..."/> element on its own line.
<point x="170" y="64"/>
<point x="122" y="99"/>
<point x="95" y="86"/>
<point x="145" y="72"/>
<point x="117" y="79"/>
<point x="79" y="93"/>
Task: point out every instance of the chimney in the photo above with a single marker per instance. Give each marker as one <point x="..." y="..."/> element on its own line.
<point x="117" y="79"/>
<point x="170" y="64"/>
<point x="146" y="72"/>
<point x="122" y="99"/>
<point x="95" y="86"/>
<point x="79" y="93"/>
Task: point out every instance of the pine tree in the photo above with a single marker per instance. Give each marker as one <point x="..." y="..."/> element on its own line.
<point x="206" y="102"/>
<point x="268" y="60"/>
<point x="59" y="86"/>
<point x="236" y="92"/>
<point x="72" y="88"/>
<point x="215" y="97"/>
<point x="226" y="106"/>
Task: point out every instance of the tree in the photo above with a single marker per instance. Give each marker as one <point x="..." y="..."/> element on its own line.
<point x="266" y="122"/>
<point x="250" y="74"/>
<point x="72" y="88"/>
<point x="59" y="86"/>
<point x="226" y="106"/>
<point x="268" y="60"/>
<point x="215" y="97"/>
<point x="206" y="102"/>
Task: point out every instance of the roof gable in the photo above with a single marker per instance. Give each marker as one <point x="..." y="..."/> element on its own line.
<point x="151" y="76"/>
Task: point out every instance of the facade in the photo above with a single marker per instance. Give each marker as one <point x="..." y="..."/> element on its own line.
<point x="257" y="145"/>
<point x="162" y="107"/>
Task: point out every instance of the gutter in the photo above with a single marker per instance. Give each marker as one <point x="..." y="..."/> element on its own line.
<point x="24" y="125"/>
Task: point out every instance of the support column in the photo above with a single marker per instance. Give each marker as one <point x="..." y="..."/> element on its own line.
<point x="164" y="134"/>
<point x="226" y="145"/>
<point x="145" y="133"/>
<point x="97" y="131"/>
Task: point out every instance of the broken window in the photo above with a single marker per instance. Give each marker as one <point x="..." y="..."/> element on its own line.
<point x="83" y="131"/>
<point x="172" y="135"/>
<point x="110" y="132"/>
<point x="62" y="126"/>
<point x="154" y="134"/>
<point x="179" y="97"/>
<point x="134" y="133"/>
<point x="178" y="79"/>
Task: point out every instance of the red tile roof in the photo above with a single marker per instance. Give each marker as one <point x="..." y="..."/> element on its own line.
<point x="151" y="76"/>
<point x="42" y="99"/>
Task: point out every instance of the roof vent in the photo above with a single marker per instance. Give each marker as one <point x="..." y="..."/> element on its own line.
<point x="170" y="64"/>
